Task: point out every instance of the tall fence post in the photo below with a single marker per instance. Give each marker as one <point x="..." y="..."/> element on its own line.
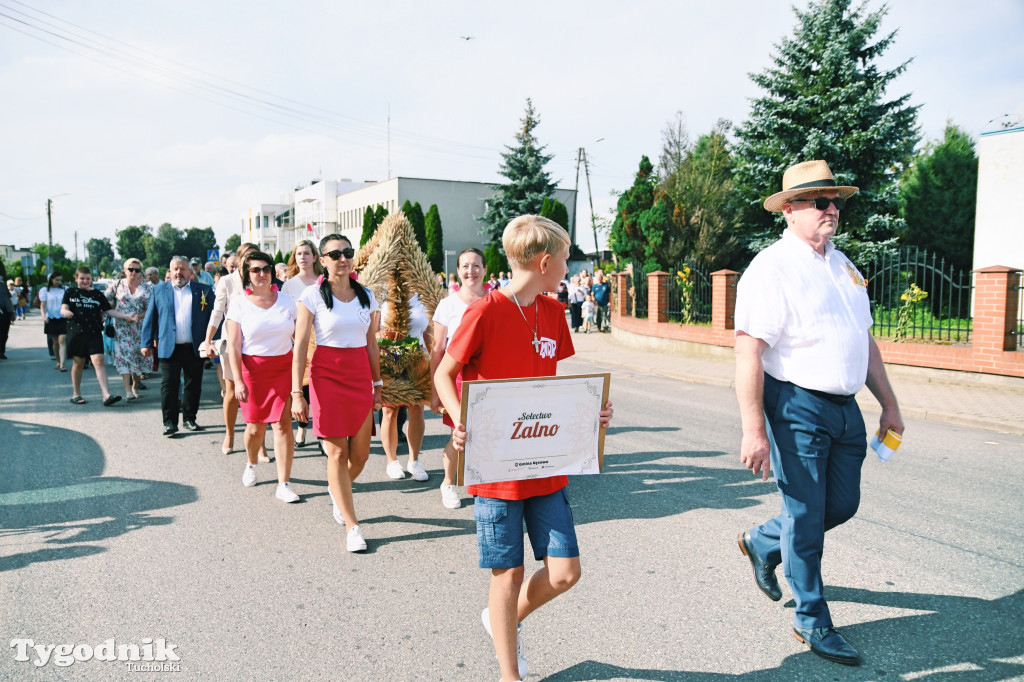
<point x="657" y="296"/>
<point x="995" y="309"/>
<point x="723" y="298"/>
<point x="620" y="306"/>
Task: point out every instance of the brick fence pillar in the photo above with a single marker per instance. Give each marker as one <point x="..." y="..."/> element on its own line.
<point x="995" y="309"/>
<point x="723" y="298"/>
<point x="620" y="306"/>
<point x="657" y="296"/>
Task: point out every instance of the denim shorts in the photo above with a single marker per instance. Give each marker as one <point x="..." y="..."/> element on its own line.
<point x="499" y="529"/>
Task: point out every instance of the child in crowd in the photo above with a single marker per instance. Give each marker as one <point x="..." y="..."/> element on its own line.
<point x="588" y="314"/>
<point x="511" y="333"/>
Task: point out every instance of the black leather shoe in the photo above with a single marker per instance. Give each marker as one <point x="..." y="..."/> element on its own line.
<point x="764" y="575"/>
<point x="170" y="430"/>
<point x="828" y="644"/>
<point x="190" y="425"/>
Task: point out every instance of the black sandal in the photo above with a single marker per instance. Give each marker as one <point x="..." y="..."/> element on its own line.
<point x="111" y="400"/>
<point x="79" y="400"/>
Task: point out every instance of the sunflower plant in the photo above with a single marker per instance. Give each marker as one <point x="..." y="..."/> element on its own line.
<point x="684" y="279"/>
<point x="911" y="297"/>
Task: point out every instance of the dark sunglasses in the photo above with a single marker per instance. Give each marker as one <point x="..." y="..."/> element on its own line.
<point x="336" y="254"/>
<point x="821" y="203"/>
<point x="134" y="269"/>
<point x="261" y="270"/>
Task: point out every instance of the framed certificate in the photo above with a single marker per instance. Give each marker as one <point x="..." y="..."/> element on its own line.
<point x="532" y="428"/>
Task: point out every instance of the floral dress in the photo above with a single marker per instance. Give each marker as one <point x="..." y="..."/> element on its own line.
<point x="128" y="356"/>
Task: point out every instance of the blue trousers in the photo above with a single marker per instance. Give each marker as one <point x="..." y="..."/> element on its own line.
<point x="817" y="451"/>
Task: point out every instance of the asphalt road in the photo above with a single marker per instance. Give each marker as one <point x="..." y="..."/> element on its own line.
<point x="108" y="530"/>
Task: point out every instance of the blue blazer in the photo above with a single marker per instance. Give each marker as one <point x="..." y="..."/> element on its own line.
<point x="159" y="321"/>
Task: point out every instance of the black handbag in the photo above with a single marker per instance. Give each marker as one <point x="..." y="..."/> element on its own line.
<point x="108" y="328"/>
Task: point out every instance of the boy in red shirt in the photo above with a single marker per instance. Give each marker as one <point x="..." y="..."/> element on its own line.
<point x="517" y="332"/>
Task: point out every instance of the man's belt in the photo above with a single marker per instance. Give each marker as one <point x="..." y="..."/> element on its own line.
<point x="831" y="397"/>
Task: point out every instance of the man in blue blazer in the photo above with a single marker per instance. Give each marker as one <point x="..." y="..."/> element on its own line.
<point x="176" y="319"/>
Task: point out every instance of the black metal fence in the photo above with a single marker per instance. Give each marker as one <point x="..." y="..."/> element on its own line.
<point x="900" y="311"/>
<point x="688" y="294"/>
<point x="638" y="287"/>
<point x="1020" y="315"/>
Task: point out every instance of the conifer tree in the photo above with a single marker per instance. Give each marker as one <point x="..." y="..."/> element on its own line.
<point x="494" y="260"/>
<point x="528" y="183"/>
<point x="435" y="238"/>
<point x="369" y="226"/>
<point x="938" y="198"/>
<point x="825" y="98"/>
<point x="626" y="238"/>
<point x="419" y="226"/>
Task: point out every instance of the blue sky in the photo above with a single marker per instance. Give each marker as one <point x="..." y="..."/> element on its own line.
<point x="152" y="129"/>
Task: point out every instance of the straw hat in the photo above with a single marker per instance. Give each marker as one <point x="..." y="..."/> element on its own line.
<point x="805" y="177"/>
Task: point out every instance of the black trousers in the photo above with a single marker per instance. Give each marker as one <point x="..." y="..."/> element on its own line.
<point x="575" y="315"/>
<point x="182" y="360"/>
<point x="5" y="330"/>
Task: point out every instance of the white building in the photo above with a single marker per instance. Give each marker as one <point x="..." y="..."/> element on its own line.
<point x="259" y="226"/>
<point x="459" y="204"/>
<point x="998" y="224"/>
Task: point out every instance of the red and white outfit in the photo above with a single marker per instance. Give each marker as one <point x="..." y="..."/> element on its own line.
<point x="493" y="341"/>
<point x="340" y="385"/>
<point x="266" y="355"/>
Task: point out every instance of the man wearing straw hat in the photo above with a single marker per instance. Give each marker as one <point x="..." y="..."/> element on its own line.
<point x="803" y="351"/>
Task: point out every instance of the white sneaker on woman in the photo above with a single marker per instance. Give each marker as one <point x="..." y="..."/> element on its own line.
<point x="354" y="541"/>
<point x="416" y="469"/>
<point x="337" y="512"/>
<point x="395" y="471"/>
<point x="249" y="475"/>
<point x="285" y="493"/>
<point x="449" y="497"/>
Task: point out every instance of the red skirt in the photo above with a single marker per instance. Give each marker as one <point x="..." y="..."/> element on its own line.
<point x="269" y="382"/>
<point x="340" y="393"/>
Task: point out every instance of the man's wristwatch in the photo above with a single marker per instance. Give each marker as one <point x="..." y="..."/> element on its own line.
<point x="377" y="383"/>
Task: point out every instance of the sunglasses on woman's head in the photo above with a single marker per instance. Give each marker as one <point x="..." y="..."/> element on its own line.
<point x="134" y="269"/>
<point x="336" y="254"/>
<point x="261" y="270"/>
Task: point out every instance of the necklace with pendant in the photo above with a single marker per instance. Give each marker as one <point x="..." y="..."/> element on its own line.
<point x="536" y="320"/>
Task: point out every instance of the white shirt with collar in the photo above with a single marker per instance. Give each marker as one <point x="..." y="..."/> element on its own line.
<point x="812" y="311"/>
<point x="182" y="313"/>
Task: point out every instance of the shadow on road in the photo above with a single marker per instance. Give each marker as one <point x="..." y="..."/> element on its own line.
<point x="51" y="487"/>
<point x="649" y="485"/>
<point x="960" y="638"/>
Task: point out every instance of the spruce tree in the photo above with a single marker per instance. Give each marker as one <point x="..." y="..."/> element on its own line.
<point x="938" y="198"/>
<point x="528" y="183"/>
<point x="435" y="238"/>
<point x="825" y="98"/>
<point x="369" y="227"/>
<point x="626" y="238"/>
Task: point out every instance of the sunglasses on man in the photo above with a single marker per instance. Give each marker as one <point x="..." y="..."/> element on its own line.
<point x="134" y="269"/>
<point x="821" y="203"/>
<point x="338" y="253"/>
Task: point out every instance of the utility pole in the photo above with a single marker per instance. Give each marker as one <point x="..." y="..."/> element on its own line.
<point x="593" y="218"/>
<point x="49" y="228"/>
<point x="76" y="242"/>
<point x="575" y="196"/>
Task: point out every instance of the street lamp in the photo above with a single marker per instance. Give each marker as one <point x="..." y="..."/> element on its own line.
<point x="49" y="227"/>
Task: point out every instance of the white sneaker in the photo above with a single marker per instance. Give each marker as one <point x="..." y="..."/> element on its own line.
<point x="337" y="512"/>
<point x="417" y="471"/>
<point x="485" y="616"/>
<point x="395" y="471"/>
<point x="449" y="497"/>
<point x="285" y="493"/>
<point x="263" y="458"/>
<point x="249" y="476"/>
<point x="354" y="540"/>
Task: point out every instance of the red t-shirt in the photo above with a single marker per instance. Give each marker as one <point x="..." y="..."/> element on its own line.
<point x="494" y="342"/>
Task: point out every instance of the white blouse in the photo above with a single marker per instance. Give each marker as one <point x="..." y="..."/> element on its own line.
<point x="342" y="326"/>
<point x="449" y="313"/>
<point x="266" y="332"/>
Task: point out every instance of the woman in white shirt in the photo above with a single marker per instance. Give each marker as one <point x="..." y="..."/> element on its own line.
<point x="54" y="325"/>
<point x="447" y="317"/>
<point x="418" y="323"/>
<point x="303" y="271"/>
<point x="260" y="326"/>
<point x="344" y="376"/>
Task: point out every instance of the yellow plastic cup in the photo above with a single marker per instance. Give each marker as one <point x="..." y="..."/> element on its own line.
<point x="886" y="447"/>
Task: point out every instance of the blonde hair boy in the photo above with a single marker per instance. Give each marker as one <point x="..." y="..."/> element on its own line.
<point x="528" y="236"/>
